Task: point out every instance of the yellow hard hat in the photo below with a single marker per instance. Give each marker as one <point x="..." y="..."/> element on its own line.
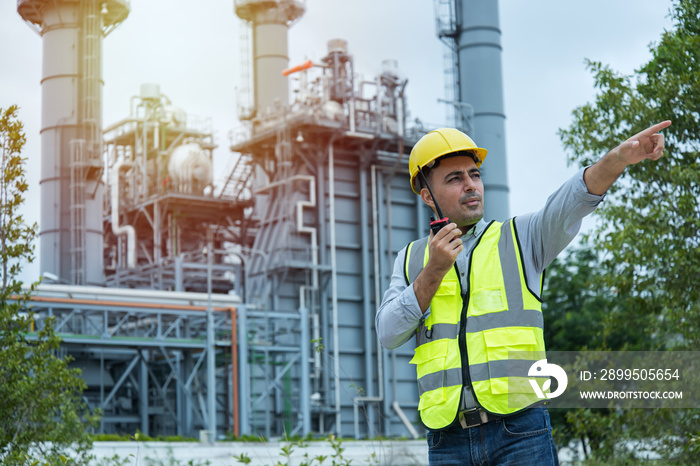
<point x="436" y="144"/>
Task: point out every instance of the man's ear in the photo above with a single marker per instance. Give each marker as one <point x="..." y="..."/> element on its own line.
<point x="427" y="198"/>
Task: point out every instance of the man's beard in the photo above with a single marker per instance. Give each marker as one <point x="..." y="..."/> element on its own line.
<point x="471" y="216"/>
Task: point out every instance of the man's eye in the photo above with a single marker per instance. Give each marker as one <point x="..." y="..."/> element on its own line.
<point x="476" y="175"/>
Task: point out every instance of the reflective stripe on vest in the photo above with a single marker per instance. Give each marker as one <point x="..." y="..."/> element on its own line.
<point x="503" y="317"/>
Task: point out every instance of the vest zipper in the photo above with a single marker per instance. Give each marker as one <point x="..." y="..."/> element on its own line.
<point x="466" y="378"/>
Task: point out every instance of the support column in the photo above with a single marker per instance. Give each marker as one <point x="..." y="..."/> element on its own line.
<point x="143" y="393"/>
<point x="243" y="370"/>
<point x="211" y="350"/>
<point x="305" y="392"/>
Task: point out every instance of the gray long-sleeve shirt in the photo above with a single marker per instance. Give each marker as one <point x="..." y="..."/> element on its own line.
<point x="543" y="235"/>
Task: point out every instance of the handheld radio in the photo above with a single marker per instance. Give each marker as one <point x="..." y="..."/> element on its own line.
<point x="435" y="225"/>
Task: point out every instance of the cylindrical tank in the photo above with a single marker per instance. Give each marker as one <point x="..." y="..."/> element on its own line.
<point x="189" y="168"/>
<point x="481" y="85"/>
<point x="70" y="227"/>
<point x="271" y="20"/>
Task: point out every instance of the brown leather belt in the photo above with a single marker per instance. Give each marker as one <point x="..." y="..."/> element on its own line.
<point x="475" y="417"/>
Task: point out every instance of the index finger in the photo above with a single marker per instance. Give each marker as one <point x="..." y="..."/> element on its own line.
<point x="655" y="129"/>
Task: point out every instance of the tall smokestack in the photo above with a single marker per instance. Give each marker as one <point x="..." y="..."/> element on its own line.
<point x="478" y="41"/>
<point x="270" y="20"/>
<point x="71" y="132"/>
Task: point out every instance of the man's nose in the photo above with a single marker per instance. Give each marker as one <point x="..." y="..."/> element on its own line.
<point x="468" y="184"/>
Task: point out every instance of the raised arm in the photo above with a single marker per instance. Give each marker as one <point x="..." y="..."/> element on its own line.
<point x="647" y="144"/>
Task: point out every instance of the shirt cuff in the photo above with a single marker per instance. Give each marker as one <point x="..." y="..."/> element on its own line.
<point x="409" y="301"/>
<point x="582" y="190"/>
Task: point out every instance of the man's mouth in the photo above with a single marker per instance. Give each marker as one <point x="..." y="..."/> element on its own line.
<point x="472" y="201"/>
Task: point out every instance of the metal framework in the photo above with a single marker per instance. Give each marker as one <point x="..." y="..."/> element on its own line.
<point x="142" y="354"/>
<point x="170" y="209"/>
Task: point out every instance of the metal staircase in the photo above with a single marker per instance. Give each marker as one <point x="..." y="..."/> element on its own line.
<point x="237" y="185"/>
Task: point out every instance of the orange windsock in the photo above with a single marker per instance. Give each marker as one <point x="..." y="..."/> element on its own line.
<point x="304" y="66"/>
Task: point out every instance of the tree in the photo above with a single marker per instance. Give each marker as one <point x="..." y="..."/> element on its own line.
<point x="650" y="223"/>
<point x="575" y="310"/>
<point x="576" y="318"/>
<point x="42" y="416"/>
<point x="649" y="226"/>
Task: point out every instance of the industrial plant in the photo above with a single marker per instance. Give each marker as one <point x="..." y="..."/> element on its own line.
<point x="244" y="307"/>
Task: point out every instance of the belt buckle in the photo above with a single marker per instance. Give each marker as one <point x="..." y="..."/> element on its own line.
<point x="472" y="418"/>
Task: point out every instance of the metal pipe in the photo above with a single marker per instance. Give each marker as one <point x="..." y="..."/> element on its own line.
<point x="400" y="115"/>
<point x="161" y="298"/>
<point x="305" y="340"/>
<point x="234" y="375"/>
<point x="359" y="135"/>
<point x="404" y="419"/>
<point x="243" y="370"/>
<point x="180" y="394"/>
<point x="311" y="230"/>
<point x="144" y="155"/>
<point x="351" y="107"/>
<point x="132" y="112"/>
<point x="305" y="392"/>
<point x="319" y="318"/>
<point x="127" y="230"/>
<point x="366" y="294"/>
<point x="362" y="87"/>
<point x="334" y="283"/>
<point x="384" y="354"/>
<point x="389" y="253"/>
<point x="377" y="284"/>
<point x="143" y="395"/>
<point x="179" y="276"/>
<point x="211" y="356"/>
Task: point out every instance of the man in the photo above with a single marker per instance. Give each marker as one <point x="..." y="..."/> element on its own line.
<point x="471" y="291"/>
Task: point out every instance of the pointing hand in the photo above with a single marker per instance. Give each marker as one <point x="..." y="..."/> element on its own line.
<point x="647" y="144"/>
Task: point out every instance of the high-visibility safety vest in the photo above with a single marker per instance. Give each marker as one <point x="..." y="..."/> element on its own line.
<point x="485" y="338"/>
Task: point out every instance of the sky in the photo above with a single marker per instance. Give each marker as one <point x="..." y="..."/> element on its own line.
<point x="192" y="50"/>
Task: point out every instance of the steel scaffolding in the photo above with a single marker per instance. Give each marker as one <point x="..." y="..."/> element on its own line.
<point x="142" y="354"/>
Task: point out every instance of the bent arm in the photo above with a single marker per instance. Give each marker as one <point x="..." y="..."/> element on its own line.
<point x="399" y="315"/>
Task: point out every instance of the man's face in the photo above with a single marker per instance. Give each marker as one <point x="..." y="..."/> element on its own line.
<point x="458" y="190"/>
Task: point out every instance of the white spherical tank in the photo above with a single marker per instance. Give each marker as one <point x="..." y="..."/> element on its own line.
<point x="189" y="168"/>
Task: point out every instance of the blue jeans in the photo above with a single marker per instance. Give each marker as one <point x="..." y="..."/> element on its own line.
<point x="523" y="439"/>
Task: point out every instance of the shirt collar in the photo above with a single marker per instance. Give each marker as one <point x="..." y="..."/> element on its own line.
<point x="477" y="229"/>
